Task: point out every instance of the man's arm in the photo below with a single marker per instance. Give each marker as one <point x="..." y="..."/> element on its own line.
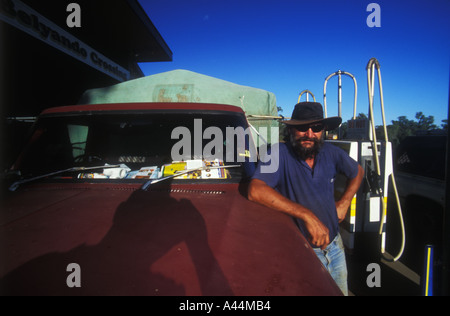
<point x="352" y="187"/>
<point x="263" y="194"/>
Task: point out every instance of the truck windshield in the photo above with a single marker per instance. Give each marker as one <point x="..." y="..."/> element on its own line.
<point x="148" y="145"/>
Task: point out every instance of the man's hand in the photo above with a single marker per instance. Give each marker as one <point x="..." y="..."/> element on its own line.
<point x="319" y="236"/>
<point x="341" y="209"/>
<point x="352" y="187"/>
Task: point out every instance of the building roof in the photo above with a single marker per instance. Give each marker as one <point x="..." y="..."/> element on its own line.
<point x="119" y="29"/>
<point x="41" y="69"/>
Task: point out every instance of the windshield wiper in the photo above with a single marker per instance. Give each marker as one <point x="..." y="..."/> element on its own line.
<point x="16" y="184"/>
<point x="150" y="182"/>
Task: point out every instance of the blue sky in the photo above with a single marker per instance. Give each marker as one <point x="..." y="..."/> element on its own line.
<point x="287" y="46"/>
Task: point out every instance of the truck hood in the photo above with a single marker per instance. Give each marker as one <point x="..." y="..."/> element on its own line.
<point x="171" y="240"/>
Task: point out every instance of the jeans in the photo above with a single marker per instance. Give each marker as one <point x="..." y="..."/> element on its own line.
<point x="333" y="259"/>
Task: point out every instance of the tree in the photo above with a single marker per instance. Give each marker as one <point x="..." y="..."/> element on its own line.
<point x="444" y="124"/>
<point x="425" y="123"/>
<point x="400" y="129"/>
<point x="404" y="127"/>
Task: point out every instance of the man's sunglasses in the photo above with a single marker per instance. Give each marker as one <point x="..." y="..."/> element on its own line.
<point x="315" y="128"/>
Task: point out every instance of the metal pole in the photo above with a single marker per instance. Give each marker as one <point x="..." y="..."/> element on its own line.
<point x="428" y="271"/>
<point x="307" y="98"/>
<point x="446" y="228"/>
<point x="339" y="94"/>
<point x="339" y="73"/>
<point x="339" y="100"/>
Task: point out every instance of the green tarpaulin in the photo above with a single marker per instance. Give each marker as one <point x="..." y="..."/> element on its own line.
<point x="187" y="86"/>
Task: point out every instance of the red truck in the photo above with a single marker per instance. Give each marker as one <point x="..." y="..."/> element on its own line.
<point x="100" y="207"/>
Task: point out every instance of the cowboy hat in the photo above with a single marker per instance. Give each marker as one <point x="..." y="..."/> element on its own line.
<point x="311" y="112"/>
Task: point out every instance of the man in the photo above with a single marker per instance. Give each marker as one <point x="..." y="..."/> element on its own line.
<point x="303" y="185"/>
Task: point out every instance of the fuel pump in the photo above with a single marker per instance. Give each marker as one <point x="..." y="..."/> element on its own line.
<point x="365" y="224"/>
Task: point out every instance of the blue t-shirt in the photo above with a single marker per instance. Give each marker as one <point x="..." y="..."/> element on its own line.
<point x="312" y="188"/>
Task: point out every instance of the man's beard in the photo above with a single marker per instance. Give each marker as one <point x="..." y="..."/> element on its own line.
<point x="306" y="152"/>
